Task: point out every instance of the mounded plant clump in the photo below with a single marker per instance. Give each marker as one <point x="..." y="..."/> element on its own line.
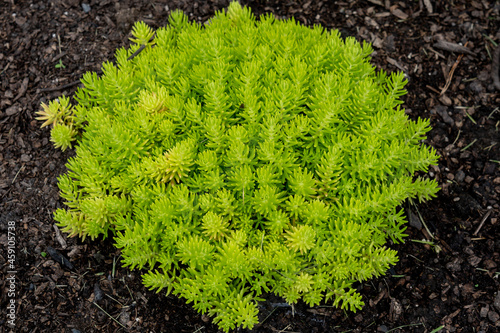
<point x="242" y="157"/>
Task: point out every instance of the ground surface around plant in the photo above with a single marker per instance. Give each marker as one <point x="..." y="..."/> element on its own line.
<point x="449" y="281"/>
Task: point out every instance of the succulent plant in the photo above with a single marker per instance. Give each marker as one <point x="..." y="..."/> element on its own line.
<point x="242" y="157"/>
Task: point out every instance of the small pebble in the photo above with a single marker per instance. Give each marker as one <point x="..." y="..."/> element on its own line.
<point x="415" y="221"/>
<point x="476" y="87"/>
<point x="484" y="76"/>
<point x="443" y="112"/>
<point x="86" y="7"/>
<point x="454" y="265"/>
<point x="382" y="328"/>
<point x="460" y="176"/>
<point x="446" y="100"/>
<point x="98" y="294"/>
<point x="484" y="312"/>
<point x="496" y="303"/>
<point x="469" y="179"/>
<point x="124" y="318"/>
<point x="493" y="316"/>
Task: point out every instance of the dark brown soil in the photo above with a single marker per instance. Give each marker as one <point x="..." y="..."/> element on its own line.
<point x="450" y="283"/>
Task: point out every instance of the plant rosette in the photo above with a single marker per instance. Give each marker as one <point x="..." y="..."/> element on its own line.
<point x="242" y="157"/>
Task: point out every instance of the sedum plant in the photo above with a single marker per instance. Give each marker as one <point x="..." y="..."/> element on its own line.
<point x="242" y="157"/>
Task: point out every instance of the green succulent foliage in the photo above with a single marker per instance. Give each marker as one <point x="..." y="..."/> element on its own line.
<point x="59" y="114"/>
<point x="242" y="157"/>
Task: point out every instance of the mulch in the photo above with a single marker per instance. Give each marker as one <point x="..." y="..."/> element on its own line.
<point x="447" y="276"/>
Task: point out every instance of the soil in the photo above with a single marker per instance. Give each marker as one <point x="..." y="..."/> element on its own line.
<point x="447" y="276"/>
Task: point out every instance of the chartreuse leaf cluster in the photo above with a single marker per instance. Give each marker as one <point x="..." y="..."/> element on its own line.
<point x="242" y="157"/>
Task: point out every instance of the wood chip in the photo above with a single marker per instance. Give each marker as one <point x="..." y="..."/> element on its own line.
<point x="12" y="110"/>
<point x="371" y="22"/>
<point x="378" y="43"/>
<point x="399" y="13"/>
<point x="383" y="14"/>
<point x="22" y="89"/>
<point x="428" y="5"/>
<point x="59" y="56"/>
<point x="452" y="47"/>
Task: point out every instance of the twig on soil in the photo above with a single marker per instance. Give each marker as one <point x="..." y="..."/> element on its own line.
<point x="445" y="247"/>
<point x="269" y="315"/>
<point x="199" y="329"/>
<point x="404" y="326"/>
<point x="436" y="248"/>
<point x="6" y="67"/>
<point x="470" y="117"/>
<point x="126" y="285"/>
<point x="450" y="75"/>
<point x="114" y="267"/>
<point x="469" y="145"/>
<point x="423" y="222"/>
<point x="20" y="169"/>
<point x="388" y="289"/>
<point x="139" y="50"/>
<point x="490" y="146"/>
<point x="59" y="56"/>
<point x="495" y="67"/>
<point x="122" y="306"/>
<point x="396" y="64"/>
<point x="458" y="135"/>
<point x="496" y="109"/>
<point x="65" y="86"/>
<point x="60" y="238"/>
<point x="437" y="329"/>
<point x="415" y="258"/>
<point x="485" y="217"/>
<point x="284" y="330"/>
<point x="433" y="89"/>
<point x="74" y="83"/>
<point x="436" y="52"/>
